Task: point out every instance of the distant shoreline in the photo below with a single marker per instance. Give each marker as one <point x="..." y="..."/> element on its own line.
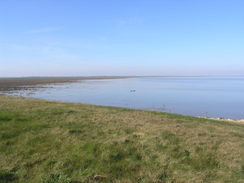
<point x="22" y="83"/>
<point x="8" y="84"/>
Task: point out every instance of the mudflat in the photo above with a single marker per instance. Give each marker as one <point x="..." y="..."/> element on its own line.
<point x="7" y="84"/>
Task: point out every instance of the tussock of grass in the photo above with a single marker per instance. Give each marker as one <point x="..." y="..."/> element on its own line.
<point x="54" y="142"/>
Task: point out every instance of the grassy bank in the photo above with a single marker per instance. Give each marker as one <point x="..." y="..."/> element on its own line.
<point x="54" y="142"/>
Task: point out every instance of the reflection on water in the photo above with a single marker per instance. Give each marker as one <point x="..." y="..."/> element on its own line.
<point x="197" y="96"/>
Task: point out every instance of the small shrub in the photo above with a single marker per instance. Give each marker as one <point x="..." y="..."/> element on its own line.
<point x="75" y="131"/>
<point x="7" y="177"/>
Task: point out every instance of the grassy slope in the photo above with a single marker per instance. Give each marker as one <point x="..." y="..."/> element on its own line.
<point x="45" y="141"/>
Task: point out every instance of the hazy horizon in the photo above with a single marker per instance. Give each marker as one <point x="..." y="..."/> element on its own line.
<point x="90" y="76"/>
<point x="121" y="38"/>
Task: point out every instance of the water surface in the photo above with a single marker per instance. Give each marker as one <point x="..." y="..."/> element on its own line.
<point x="196" y="96"/>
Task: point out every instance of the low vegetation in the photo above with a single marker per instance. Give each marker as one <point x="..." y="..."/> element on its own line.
<point x="54" y="142"/>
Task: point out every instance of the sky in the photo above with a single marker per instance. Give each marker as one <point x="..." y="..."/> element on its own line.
<point x="121" y="37"/>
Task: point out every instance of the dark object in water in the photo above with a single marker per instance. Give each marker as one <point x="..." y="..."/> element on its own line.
<point x="132" y="90"/>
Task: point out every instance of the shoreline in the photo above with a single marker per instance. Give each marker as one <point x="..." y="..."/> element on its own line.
<point x="241" y="121"/>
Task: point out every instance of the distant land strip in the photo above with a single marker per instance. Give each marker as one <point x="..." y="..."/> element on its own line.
<point x="10" y="84"/>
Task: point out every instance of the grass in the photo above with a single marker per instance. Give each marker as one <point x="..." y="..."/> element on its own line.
<point x="54" y="142"/>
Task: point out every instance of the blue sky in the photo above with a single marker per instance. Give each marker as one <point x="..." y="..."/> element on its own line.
<point x="121" y="37"/>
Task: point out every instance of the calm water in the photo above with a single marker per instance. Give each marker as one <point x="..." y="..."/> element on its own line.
<point x="196" y="96"/>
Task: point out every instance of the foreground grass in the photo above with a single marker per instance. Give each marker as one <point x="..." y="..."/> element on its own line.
<point x="54" y="142"/>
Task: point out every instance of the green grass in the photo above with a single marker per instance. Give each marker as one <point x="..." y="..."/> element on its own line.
<point x="54" y="142"/>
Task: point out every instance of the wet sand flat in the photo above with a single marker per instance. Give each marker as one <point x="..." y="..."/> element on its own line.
<point x="9" y="84"/>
